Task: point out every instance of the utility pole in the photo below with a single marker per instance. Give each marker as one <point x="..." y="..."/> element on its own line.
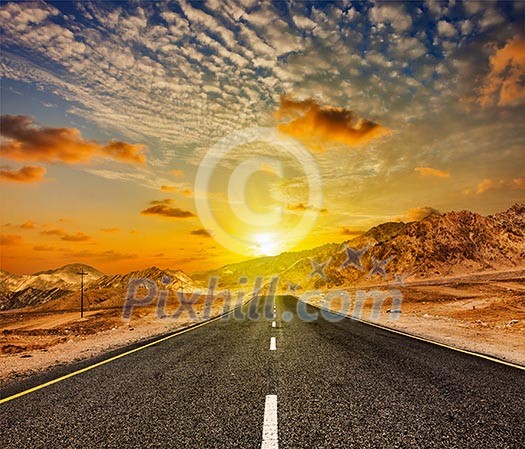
<point x="82" y="274"/>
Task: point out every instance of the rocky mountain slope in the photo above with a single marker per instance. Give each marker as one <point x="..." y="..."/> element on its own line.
<point x="449" y="244"/>
<point x="25" y="290"/>
<point x="58" y="289"/>
<point x="169" y="279"/>
<point x="64" y="277"/>
<point x="110" y="291"/>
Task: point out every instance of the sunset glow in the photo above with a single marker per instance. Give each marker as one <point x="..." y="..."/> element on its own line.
<point x="109" y="110"/>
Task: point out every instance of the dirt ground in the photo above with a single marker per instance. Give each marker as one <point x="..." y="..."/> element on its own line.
<point x="31" y="341"/>
<point x="480" y="313"/>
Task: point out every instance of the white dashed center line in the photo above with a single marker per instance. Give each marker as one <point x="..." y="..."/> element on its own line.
<point x="270" y="438"/>
<point x="273" y="324"/>
<point x="273" y="344"/>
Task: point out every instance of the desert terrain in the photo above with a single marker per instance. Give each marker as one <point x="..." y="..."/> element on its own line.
<point x="39" y="338"/>
<point x="483" y="313"/>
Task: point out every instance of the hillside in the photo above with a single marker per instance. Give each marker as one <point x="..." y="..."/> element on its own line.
<point x="58" y="289"/>
<point x="450" y="244"/>
<point x="443" y="245"/>
<point x="168" y="278"/>
<point x="18" y="291"/>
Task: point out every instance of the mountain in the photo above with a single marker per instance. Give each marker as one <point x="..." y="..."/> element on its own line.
<point x="295" y="267"/>
<point x="26" y="290"/>
<point x="449" y="244"/>
<point x="441" y="245"/>
<point x="59" y="289"/>
<point x="168" y="279"/>
<point x="229" y="275"/>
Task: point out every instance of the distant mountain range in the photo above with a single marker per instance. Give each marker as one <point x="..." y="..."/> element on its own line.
<point x="18" y="291"/>
<point x="441" y="245"/>
<point x="27" y="290"/>
<point x="449" y="244"/>
<point x="168" y="278"/>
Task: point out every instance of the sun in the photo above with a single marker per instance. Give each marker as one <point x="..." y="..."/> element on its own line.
<point x="266" y="244"/>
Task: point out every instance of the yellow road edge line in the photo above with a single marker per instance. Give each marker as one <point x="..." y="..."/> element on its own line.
<point x="103" y="362"/>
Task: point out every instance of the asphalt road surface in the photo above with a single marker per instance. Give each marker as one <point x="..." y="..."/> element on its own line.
<point x="247" y="384"/>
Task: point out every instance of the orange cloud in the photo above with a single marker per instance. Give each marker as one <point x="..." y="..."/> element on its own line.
<point x="28" y="225"/>
<point x="493" y="184"/>
<point x="202" y="232"/>
<point x="316" y="125"/>
<point x="27" y="142"/>
<point x="10" y="239"/>
<point x="77" y="237"/>
<point x="166" y="201"/>
<point x="429" y="171"/>
<point x="25" y="174"/>
<point x="59" y="232"/>
<point x="163" y="208"/>
<point x="503" y="85"/>
<point x="125" y="152"/>
<point x="185" y="192"/>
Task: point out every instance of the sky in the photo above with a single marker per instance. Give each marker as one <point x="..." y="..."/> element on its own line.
<point x="195" y="134"/>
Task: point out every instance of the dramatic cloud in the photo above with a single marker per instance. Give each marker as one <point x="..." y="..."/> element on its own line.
<point x="504" y="85"/>
<point x="10" y="239"/>
<point x="202" y="232"/>
<point x="28" y="142"/>
<point x="316" y="125"/>
<point x="180" y="76"/>
<point x="429" y="171"/>
<point x="25" y="174"/>
<point x="493" y="184"/>
<point x="163" y="208"/>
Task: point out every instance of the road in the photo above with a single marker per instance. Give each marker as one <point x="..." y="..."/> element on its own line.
<point x="323" y="384"/>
